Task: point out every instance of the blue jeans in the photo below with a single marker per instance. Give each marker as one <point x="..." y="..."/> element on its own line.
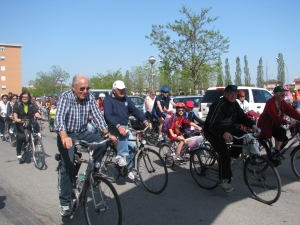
<point x="68" y="169"/>
<point x="125" y="147"/>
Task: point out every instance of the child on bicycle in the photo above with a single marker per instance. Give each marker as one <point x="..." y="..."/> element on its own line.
<point x="52" y="115"/>
<point x="176" y="123"/>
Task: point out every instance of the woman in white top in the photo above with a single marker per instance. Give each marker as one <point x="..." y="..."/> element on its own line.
<point x="241" y="99"/>
<point x="148" y="104"/>
<point x="3" y="109"/>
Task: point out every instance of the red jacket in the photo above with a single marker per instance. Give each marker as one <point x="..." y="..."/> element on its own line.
<point x="270" y="117"/>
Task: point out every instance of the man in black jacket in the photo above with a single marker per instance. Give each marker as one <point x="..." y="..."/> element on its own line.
<point x="223" y="120"/>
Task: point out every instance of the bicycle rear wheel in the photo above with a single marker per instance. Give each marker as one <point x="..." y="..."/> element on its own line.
<point x="38" y="153"/>
<point x="13" y="139"/>
<point x="152" y="171"/>
<point x="108" y="167"/>
<point x="102" y="204"/>
<point x="6" y="135"/>
<point x="166" y="153"/>
<point x="151" y="137"/>
<point x="262" y="179"/>
<point x="204" y="168"/>
<point x="295" y="161"/>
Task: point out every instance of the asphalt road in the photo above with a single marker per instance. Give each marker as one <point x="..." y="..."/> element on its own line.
<point x="183" y="201"/>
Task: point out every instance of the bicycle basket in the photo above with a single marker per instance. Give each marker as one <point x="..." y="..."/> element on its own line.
<point x="253" y="148"/>
<point x="194" y="141"/>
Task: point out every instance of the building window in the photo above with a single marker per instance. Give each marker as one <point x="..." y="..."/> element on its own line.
<point x="3" y="78"/>
<point x="3" y="87"/>
<point x="2" y="68"/>
<point x="1" y="49"/>
<point x="2" y="58"/>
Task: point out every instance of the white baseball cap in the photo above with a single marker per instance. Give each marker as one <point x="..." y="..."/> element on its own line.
<point x="119" y="85"/>
<point x="102" y="95"/>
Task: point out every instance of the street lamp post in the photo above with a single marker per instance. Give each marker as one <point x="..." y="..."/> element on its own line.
<point x="152" y="60"/>
<point x="287" y="73"/>
<point x="61" y="80"/>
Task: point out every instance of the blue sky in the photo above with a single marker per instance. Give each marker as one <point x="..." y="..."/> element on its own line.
<point x="95" y="36"/>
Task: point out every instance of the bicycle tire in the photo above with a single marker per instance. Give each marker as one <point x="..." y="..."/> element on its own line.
<point x="166" y="153"/>
<point x="108" y="167"/>
<point x="204" y="168"/>
<point x="264" y="149"/>
<point x="109" y="210"/>
<point x="295" y="161"/>
<point x="58" y="175"/>
<point x="263" y="183"/>
<point x="152" y="171"/>
<point x="38" y="153"/>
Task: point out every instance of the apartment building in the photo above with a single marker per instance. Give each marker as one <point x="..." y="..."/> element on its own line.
<point x="10" y="68"/>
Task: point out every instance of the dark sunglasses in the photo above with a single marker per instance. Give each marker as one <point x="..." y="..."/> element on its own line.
<point x="180" y="110"/>
<point x="84" y="88"/>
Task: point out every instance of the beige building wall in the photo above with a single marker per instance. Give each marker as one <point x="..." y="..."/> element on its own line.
<point x="10" y="68"/>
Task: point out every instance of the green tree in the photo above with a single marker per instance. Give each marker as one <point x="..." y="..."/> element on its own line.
<point x="48" y="82"/>
<point x="193" y="48"/>
<point x="220" y="75"/>
<point x="102" y="81"/>
<point x="280" y="69"/>
<point x="227" y="80"/>
<point x="246" y="72"/>
<point x="238" y="72"/>
<point x="260" y="74"/>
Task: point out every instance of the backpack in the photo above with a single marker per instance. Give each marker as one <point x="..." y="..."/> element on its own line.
<point x="167" y="124"/>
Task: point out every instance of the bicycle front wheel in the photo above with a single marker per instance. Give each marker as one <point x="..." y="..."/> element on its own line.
<point x="102" y="204"/>
<point x="152" y="171"/>
<point x="38" y="153"/>
<point x="108" y="165"/>
<point x="204" y="168"/>
<point x="295" y="161"/>
<point x="262" y="179"/>
<point x="166" y="153"/>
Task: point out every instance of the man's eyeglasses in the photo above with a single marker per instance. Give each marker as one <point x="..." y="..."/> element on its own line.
<point x="84" y="88"/>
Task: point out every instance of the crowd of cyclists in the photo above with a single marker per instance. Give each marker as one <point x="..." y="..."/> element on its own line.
<point x="77" y="115"/>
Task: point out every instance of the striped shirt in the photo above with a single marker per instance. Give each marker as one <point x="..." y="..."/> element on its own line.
<point x="72" y="115"/>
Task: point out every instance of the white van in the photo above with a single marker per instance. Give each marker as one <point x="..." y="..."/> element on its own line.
<point x="257" y="98"/>
<point x="96" y="92"/>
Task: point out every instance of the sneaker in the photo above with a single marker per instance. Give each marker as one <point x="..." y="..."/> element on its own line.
<point x="19" y="156"/>
<point x="1" y="135"/>
<point x="65" y="210"/>
<point x="120" y="160"/>
<point x="178" y="157"/>
<point x="278" y="155"/>
<point x="131" y="176"/>
<point x="225" y="186"/>
<point x="10" y="131"/>
<point x="160" y="138"/>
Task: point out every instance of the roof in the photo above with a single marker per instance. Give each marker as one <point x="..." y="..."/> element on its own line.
<point x="10" y="44"/>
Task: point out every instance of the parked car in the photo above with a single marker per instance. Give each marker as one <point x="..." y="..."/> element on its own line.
<point x="139" y="103"/>
<point x="195" y="98"/>
<point x="257" y="98"/>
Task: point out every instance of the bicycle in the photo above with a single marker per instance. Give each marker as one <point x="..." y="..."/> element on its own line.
<point x="33" y="143"/>
<point x="8" y="136"/>
<point x="150" y="165"/>
<point x="98" y="196"/>
<point x="262" y="179"/>
<point x="266" y="147"/>
<point x="168" y="150"/>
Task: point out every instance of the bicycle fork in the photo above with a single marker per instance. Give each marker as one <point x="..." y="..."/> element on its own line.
<point x="97" y="206"/>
